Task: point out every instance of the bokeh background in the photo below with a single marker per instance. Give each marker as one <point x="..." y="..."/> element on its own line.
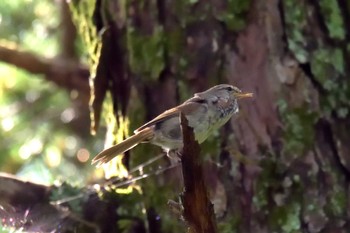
<point x="44" y="123"/>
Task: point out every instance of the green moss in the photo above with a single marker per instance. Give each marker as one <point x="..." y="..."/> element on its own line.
<point x="286" y="218"/>
<point x="260" y="199"/>
<point x="268" y="179"/>
<point x="186" y="14"/>
<point x="281" y="218"/>
<point x="298" y="130"/>
<point x="333" y="19"/>
<point x="337" y="206"/>
<point x="291" y="220"/>
<point x="175" y="44"/>
<point x="230" y="225"/>
<point x="234" y="17"/>
<point x="174" y="41"/>
<point x="296" y="19"/>
<point x="327" y="65"/>
<point x="146" y="52"/>
<point x="328" y="68"/>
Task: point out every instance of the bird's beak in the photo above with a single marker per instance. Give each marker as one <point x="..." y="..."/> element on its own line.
<point x="242" y="95"/>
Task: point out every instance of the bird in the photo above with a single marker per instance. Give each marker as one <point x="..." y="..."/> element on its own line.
<point x="206" y="112"/>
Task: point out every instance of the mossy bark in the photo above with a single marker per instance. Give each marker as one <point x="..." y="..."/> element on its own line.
<point x="285" y="164"/>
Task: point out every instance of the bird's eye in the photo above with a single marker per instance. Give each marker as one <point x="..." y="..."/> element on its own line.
<point x="229" y="88"/>
<point x="233" y="89"/>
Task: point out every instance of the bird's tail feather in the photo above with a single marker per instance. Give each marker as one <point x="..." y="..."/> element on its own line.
<point x="107" y="155"/>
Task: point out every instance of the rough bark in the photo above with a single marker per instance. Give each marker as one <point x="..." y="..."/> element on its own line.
<point x="285" y="164"/>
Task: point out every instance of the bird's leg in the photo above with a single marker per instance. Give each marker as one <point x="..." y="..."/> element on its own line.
<point x="178" y="153"/>
<point x="174" y="156"/>
<point x="176" y="209"/>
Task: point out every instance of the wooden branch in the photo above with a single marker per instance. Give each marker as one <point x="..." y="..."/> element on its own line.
<point x="68" y="32"/>
<point x="26" y="205"/>
<point x="65" y="73"/>
<point x="198" y="210"/>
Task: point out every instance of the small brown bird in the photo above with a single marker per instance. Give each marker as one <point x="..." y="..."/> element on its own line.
<point x="205" y="111"/>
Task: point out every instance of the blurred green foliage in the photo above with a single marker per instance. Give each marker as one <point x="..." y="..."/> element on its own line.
<point x="30" y="23"/>
<point x="38" y="141"/>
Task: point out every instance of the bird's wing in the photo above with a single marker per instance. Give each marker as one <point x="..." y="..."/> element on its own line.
<point x="173" y="112"/>
<point x="188" y="106"/>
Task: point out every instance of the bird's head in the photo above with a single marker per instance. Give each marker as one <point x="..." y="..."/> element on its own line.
<point x="226" y="91"/>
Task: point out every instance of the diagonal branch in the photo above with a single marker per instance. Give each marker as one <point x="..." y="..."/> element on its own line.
<point x="64" y="73"/>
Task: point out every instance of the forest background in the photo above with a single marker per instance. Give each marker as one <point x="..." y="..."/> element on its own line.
<point x="69" y="70"/>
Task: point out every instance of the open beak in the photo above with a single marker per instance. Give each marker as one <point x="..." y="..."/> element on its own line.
<point x="243" y="95"/>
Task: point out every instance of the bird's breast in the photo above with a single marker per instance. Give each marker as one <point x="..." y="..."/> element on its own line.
<point x="215" y="118"/>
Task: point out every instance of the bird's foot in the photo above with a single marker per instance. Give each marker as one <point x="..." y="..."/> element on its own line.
<point x="174" y="156"/>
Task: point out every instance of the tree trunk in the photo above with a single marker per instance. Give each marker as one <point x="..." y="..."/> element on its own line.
<point x="285" y="159"/>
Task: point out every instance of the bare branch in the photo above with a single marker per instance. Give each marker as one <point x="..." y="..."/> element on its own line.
<point x="65" y="73"/>
<point x="27" y="205"/>
<point x="68" y="32"/>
